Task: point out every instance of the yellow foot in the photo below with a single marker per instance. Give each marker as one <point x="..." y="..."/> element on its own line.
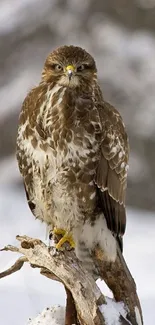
<point x="66" y="237"/>
<point x="59" y="231"/>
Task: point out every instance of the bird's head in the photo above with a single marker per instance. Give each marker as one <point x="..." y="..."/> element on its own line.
<point x="69" y="66"/>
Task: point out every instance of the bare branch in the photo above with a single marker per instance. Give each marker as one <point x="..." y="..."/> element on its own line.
<point x="71" y="313"/>
<point x="119" y="279"/>
<point x="10" y="248"/>
<point x="84" y="299"/>
<point x="65" y="266"/>
<point x="15" y="267"/>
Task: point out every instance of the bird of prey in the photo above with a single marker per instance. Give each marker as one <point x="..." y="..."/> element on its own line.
<point x="72" y="151"/>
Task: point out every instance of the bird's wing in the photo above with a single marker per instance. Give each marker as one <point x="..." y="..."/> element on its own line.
<point x="111" y="175"/>
<point x="23" y="158"/>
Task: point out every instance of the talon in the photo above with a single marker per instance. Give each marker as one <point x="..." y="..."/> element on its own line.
<point x="67" y="237"/>
<point x="50" y="236"/>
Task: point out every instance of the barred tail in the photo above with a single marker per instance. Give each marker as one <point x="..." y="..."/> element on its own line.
<point x="84" y="255"/>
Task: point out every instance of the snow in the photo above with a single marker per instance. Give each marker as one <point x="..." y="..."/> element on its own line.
<point x="56" y="314"/>
<point x="26" y="293"/>
<point x="53" y="316"/>
<point x="112" y="311"/>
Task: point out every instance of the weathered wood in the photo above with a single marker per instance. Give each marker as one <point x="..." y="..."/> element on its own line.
<point x="71" y="313"/>
<point x="119" y="279"/>
<point x="84" y="298"/>
<point x="87" y="296"/>
<point x="15" y="267"/>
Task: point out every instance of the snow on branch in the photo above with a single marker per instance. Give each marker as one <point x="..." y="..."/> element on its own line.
<point x="85" y="305"/>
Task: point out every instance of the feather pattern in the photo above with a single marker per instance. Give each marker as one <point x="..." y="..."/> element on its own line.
<point x="111" y="175"/>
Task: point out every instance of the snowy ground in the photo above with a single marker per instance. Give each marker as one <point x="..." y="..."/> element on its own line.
<point x="56" y="315"/>
<point x="26" y="293"/>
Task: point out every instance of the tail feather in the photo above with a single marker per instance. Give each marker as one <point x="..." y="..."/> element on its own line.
<point x="84" y="255"/>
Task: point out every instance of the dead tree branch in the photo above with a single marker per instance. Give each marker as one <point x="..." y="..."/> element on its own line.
<point x="64" y="265"/>
<point x="15" y="267"/>
<point x="84" y="298"/>
<point x="119" y="279"/>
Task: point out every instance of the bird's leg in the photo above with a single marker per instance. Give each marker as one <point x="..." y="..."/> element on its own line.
<point x="66" y="237"/>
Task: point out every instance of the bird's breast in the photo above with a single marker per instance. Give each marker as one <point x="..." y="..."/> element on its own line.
<point x="63" y="149"/>
<point x="70" y="122"/>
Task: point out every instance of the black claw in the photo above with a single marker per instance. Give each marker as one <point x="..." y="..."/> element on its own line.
<point x="50" y="236"/>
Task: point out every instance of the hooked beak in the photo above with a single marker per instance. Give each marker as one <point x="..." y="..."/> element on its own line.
<point x="70" y="69"/>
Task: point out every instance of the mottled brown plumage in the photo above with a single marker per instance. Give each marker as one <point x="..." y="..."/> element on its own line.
<point x="72" y="151"/>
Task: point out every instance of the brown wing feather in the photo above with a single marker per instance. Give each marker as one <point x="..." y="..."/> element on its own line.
<point x="111" y="175"/>
<point x="24" y="132"/>
<point x="25" y="169"/>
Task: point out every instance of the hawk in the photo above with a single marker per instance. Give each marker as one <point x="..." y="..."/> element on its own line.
<point x="72" y="151"/>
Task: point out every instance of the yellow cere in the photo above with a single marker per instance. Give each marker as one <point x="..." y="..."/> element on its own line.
<point x="70" y="67"/>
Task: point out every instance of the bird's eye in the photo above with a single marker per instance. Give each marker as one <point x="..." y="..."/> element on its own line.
<point x="57" y="67"/>
<point x="82" y="67"/>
